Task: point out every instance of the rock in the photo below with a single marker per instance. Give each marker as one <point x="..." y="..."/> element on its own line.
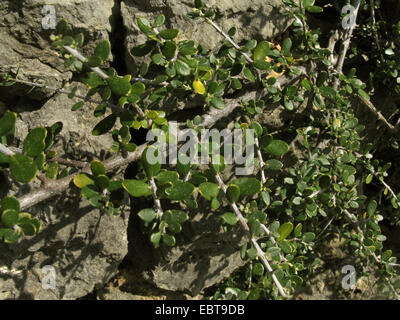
<point x="84" y="246"/>
<point x="76" y="141"/>
<point x="25" y="44"/>
<point x="257" y="19"/>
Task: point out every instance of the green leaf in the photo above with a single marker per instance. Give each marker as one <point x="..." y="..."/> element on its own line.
<point x="169" y="240"/>
<point x="160" y="20"/>
<point x="77" y="106"/>
<point x="151" y="160"/>
<point x="273" y="164"/>
<point x="144" y="25"/>
<point x="262" y="64"/>
<point x="23" y="169"/>
<point x="141" y="50"/>
<point x="182" y="68"/>
<point x="218" y="103"/>
<point x="97" y="168"/>
<point x="136" y="188"/>
<point x="285" y="230"/>
<point x="363" y="94"/>
<point x="286" y="46"/>
<point x="79" y="40"/>
<point x="165" y="177"/>
<point x="285" y="246"/>
<point x="199" y="4"/>
<point x="10" y="236"/>
<point x="82" y="180"/>
<point x="35" y="142"/>
<point x="9" y="217"/>
<point x="297" y="230"/>
<point x="230" y="218"/>
<point x="94" y="61"/>
<point x="258" y="269"/>
<point x="92" y="80"/>
<point x="7" y="122"/>
<point x="28" y="229"/>
<point x="248" y="74"/>
<point x="209" y="190"/>
<point x="233" y="193"/>
<point x="180" y="191"/>
<point x="169" y="49"/>
<point x="257" y="128"/>
<point x="308" y="237"/>
<point x="155" y="238"/>
<point x="371" y="208"/>
<point x="10" y="202"/>
<point x="119" y="86"/>
<point x="62" y="27"/>
<point x="183" y="164"/>
<point x="158" y="59"/>
<point x="308" y="3"/>
<point x="306" y="84"/>
<point x="52" y="170"/>
<point x="102" y="181"/>
<point x="315" y="9"/>
<point x="277" y="148"/>
<point x="169" y="34"/>
<point x="261" y="51"/>
<point x="248" y="186"/>
<point x="147" y="215"/>
<point x="104" y="125"/>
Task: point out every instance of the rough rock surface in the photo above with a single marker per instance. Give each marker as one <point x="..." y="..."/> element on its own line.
<point x="257" y="19"/>
<point x="25" y="43"/>
<point x="84" y="246"/>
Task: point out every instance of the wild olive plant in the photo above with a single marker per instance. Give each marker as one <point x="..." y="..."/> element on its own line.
<point x="282" y="211"/>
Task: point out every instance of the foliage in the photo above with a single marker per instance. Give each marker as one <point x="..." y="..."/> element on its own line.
<point x="284" y="215"/>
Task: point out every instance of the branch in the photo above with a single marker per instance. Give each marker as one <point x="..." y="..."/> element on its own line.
<point x="157" y="202"/>
<point x="245" y="226"/>
<point x="5" y="150"/>
<point x="103" y="75"/>
<point x="63" y="91"/>
<point x="345" y="45"/>
<point x="59" y="186"/>
<point x="233" y="43"/>
<point x="372" y="108"/>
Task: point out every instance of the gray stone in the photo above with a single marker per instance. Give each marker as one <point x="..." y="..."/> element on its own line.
<point x="257" y="19"/>
<point x="25" y="44"/>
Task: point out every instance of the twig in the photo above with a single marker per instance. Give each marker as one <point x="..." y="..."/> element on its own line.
<point x="345" y="45"/>
<point x="372" y="108"/>
<point x="5" y="150"/>
<point x="59" y="186"/>
<point x="245" y="226"/>
<point x="63" y="91"/>
<point x="372" y="9"/>
<point x="227" y="37"/>
<point x="102" y="74"/>
<point x="157" y="202"/>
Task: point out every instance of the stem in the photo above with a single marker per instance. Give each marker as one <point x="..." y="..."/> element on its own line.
<point x="5" y="150"/>
<point x="245" y="226"/>
<point x="227" y="37"/>
<point x="157" y="202"/>
<point x="345" y="46"/>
